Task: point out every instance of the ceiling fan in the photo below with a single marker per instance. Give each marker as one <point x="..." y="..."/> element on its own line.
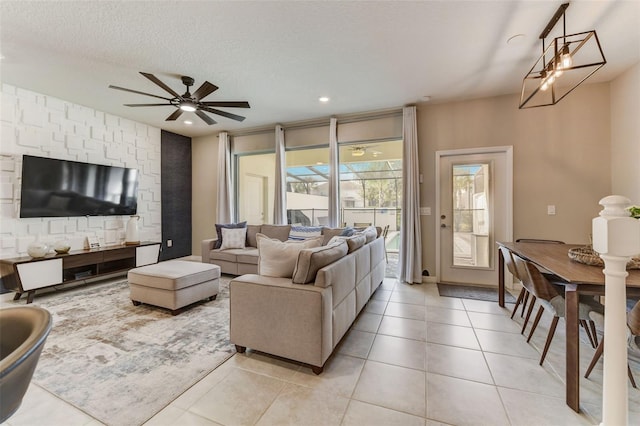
<point x="359" y="151"/>
<point x="189" y="102"/>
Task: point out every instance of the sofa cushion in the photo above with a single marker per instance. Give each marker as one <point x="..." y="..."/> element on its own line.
<point x="229" y="226"/>
<point x="279" y="232"/>
<point x="371" y="233"/>
<point x="312" y="259"/>
<point x="252" y="230"/>
<point x="233" y="238"/>
<point x="304" y="232"/>
<point x="278" y="258"/>
<point x="354" y="242"/>
<point x="226" y="255"/>
<point x="248" y="255"/>
<point x="329" y="233"/>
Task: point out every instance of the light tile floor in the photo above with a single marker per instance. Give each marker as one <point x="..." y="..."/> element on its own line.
<point x="411" y="358"/>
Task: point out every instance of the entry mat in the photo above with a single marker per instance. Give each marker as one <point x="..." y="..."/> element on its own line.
<point x="489" y="294"/>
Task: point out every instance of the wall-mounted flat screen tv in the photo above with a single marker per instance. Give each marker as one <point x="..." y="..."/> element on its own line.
<point x="61" y="188"/>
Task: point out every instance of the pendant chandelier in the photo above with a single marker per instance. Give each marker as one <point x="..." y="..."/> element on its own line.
<point x="566" y="62"/>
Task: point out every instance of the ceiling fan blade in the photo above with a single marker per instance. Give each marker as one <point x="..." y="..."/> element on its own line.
<point x="227" y="104"/>
<point x="159" y="83"/>
<point x="146" y="105"/>
<point x="177" y="113"/>
<point x="223" y="113"/>
<point x="205" y="118"/>
<point x="139" y="93"/>
<point x="204" y="90"/>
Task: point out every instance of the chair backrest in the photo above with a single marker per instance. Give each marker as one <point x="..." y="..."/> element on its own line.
<point x="508" y="260"/>
<point x="385" y="231"/>
<point x="533" y="280"/>
<point x="633" y="319"/>
<point x="537" y="240"/>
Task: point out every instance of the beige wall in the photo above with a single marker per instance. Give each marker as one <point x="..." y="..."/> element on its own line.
<point x="625" y="134"/>
<point x="561" y="156"/>
<point x="204" y="189"/>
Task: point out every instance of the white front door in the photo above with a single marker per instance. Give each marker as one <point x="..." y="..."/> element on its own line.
<point x="475" y="211"/>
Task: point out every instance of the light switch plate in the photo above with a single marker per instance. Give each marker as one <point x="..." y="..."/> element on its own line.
<point x="425" y="211"/>
<point x="551" y="210"/>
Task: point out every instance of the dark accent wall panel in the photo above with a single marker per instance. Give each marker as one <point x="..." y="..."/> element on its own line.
<point x="176" y="195"/>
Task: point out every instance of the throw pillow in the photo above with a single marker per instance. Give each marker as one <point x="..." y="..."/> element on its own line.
<point x="347" y="232"/>
<point x="228" y="226"/>
<point x="329" y="233"/>
<point x="311" y="260"/>
<point x="354" y="242"/>
<point x="371" y="233"/>
<point x="304" y="232"/>
<point x="233" y="238"/>
<point x="277" y="258"/>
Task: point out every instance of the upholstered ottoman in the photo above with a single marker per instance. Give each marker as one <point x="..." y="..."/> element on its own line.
<point x="173" y="284"/>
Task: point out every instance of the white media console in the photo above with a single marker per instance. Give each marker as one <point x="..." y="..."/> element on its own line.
<point x="27" y="274"/>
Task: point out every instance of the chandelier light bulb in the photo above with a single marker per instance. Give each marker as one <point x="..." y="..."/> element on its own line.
<point x="565" y="58"/>
<point x="551" y="78"/>
<point x="544" y="86"/>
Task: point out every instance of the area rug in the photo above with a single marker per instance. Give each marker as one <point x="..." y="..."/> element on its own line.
<point x="121" y="363"/>
<point x="489" y="294"/>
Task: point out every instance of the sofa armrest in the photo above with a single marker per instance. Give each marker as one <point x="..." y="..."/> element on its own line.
<point x="273" y="315"/>
<point x="206" y="247"/>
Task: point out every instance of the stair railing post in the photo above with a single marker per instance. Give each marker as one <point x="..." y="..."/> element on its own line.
<point x="616" y="237"/>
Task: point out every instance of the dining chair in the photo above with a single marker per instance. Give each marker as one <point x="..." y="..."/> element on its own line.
<point x="549" y="276"/>
<point x="633" y="330"/>
<point x="511" y="266"/>
<point x="550" y="298"/>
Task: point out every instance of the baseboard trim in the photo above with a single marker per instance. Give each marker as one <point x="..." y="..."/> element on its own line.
<point x="429" y="280"/>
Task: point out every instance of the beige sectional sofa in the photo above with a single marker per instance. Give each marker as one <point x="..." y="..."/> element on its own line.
<point x="305" y="322"/>
<point x="245" y="260"/>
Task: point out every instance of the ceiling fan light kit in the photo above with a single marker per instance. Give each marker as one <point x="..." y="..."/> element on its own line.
<point x="565" y="63"/>
<point x="189" y="102"/>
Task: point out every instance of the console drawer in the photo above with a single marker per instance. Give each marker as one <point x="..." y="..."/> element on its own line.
<point x="123" y="253"/>
<point x="75" y="260"/>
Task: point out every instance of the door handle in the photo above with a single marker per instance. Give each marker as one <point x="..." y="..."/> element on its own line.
<point x="442" y="225"/>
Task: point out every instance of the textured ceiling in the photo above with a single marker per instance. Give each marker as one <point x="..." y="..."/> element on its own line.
<point x="281" y="56"/>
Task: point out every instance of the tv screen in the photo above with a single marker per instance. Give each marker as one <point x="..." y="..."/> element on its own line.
<point x="61" y="188"/>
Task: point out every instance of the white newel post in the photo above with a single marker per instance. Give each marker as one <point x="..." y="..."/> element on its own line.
<point x="616" y="237"/>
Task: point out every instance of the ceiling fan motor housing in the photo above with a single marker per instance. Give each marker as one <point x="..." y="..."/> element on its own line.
<point x="187" y="81"/>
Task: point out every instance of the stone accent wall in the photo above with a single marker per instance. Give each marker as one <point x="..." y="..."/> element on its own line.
<point x="36" y="124"/>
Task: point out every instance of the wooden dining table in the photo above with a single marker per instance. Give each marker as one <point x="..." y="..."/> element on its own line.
<point x="579" y="279"/>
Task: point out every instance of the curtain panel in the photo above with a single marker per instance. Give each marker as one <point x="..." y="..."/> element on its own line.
<point x="411" y="236"/>
<point x="334" y="194"/>
<point x="280" y="196"/>
<point x="225" y="204"/>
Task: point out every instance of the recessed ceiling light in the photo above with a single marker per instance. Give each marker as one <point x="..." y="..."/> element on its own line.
<point x="426" y="98"/>
<point x="188" y="122"/>
<point x="323" y="99"/>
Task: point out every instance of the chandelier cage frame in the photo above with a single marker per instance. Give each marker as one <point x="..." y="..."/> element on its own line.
<point x="550" y="79"/>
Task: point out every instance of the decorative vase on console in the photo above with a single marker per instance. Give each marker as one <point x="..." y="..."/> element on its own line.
<point x="38" y="249"/>
<point x="62" y="246"/>
<point x="132" y="237"/>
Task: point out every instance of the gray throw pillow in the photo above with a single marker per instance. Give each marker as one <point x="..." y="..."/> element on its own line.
<point x="228" y="226"/>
